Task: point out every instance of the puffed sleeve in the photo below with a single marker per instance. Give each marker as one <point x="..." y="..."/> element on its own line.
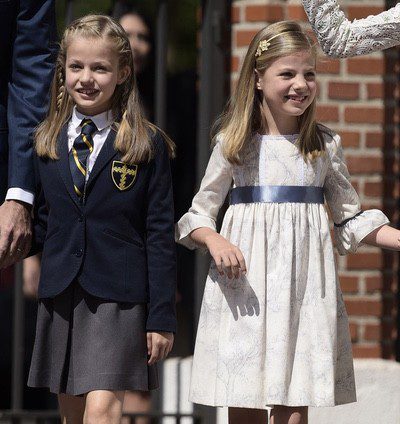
<point x="351" y="224"/>
<point x="209" y="199"/>
<point x="340" y="37"/>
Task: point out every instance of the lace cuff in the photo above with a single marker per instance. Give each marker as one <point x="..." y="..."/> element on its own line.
<point x="349" y="234"/>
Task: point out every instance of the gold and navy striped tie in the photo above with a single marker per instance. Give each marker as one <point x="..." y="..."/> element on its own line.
<point x="82" y="147"/>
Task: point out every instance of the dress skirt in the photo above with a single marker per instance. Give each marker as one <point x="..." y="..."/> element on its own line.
<point x="86" y="343"/>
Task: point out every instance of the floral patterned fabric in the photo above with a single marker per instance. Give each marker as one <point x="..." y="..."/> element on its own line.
<point x="339" y="37"/>
<point x="279" y="335"/>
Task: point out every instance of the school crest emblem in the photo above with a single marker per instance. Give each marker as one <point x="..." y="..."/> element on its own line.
<point x="123" y="175"/>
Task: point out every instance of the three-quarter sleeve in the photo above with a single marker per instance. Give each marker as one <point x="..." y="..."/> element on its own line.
<point x="340" y="37"/>
<point x="351" y="224"/>
<point x="209" y="199"/>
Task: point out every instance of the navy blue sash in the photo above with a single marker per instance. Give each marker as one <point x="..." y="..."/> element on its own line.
<point x="277" y="194"/>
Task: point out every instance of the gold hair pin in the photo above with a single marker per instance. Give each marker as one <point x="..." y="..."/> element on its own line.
<point x="262" y="47"/>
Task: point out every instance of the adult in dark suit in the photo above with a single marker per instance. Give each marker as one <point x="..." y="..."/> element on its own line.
<point x="27" y="35"/>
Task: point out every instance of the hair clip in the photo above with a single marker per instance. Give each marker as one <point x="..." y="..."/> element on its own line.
<point x="262" y="47"/>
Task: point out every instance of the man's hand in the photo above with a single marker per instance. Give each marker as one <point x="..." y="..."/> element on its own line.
<point x="15" y="232"/>
<point x="159" y="345"/>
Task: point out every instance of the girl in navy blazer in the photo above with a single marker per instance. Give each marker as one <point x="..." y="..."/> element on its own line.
<point x="105" y="224"/>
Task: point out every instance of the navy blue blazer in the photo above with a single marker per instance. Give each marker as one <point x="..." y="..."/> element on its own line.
<point x="27" y="46"/>
<point x="119" y="244"/>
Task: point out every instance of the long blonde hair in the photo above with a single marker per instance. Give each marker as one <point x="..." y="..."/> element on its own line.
<point x="133" y="138"/>
<point x="243" y="115"/>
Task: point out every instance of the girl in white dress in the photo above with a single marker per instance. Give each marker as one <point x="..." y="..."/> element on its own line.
<point x="340" y="37"/>
<point x="273" y="330"/>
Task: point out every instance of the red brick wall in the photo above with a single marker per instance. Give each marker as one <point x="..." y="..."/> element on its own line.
<point x="357" y="99"/>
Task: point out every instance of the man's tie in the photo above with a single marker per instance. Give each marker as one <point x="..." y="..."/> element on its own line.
<point x="82" y="147"/>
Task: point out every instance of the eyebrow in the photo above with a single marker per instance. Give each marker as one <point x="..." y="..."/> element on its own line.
<point x="293" y="70"/>
<point x="97" y="63"/>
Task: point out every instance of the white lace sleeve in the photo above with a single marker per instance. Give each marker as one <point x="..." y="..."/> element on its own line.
<point x="351" y="224"/>
<point x="209" y="199"/>
<point x="339" y="37"/>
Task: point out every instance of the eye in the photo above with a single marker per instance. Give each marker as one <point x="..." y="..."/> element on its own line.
<point x="310" y="75"/>
<point x="74" y="66"/>
<point x="100" y="68"/>
<point x="286" y="74"/>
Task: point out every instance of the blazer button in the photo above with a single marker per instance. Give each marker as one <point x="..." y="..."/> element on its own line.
<point x="80" y="219"/>
<point x="79" y="253"/>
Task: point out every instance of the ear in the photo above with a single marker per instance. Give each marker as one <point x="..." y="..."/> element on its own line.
<point x="258" y="80"/>
<point x="123" y="74"/>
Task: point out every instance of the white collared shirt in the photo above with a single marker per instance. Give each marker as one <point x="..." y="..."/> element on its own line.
<point x="103" y="123"/>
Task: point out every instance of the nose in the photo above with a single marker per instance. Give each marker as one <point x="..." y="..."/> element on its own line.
<point x="300" y="83"/>
<point x="86" y="76"/>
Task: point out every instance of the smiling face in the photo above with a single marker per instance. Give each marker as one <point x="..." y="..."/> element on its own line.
<point x="92" y="74"/>
<point x="288" y="88"/>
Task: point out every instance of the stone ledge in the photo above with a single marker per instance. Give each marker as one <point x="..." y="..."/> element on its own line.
<point x="378" y="393"/>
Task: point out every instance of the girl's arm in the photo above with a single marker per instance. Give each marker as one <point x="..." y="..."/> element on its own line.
<point x="339" y="37"/>
<point x="160" y="244"/>
<point x="385" y="237"/>
<point x="207" y="202"/>
<point x="161" y="258"/>
<point x="352" y="225"/>
<point x="197" y="228"/>
<point x="228" y="258"/>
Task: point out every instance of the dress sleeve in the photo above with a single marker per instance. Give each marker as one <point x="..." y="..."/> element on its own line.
<point x="339" y="37"/>
<point x="351" y="224"/>
<point x="209" y="199"/>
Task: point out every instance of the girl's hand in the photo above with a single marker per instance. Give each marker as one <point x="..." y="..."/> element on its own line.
<point x="228" y="257"/>
<point x="159" y="344"/>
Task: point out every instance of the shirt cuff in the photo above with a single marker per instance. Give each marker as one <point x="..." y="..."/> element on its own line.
<point x="20" y="194"/>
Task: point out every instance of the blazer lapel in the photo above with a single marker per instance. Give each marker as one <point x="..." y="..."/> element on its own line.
<point x="107" y="152"/>
<point x="63" y="165"/>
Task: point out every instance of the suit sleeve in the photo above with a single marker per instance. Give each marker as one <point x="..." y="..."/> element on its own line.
<point x="160" y="244"/>
<point x="32" y="68"/>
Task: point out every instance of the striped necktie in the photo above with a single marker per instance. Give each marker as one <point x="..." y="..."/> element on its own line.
<point x="82" y="147"/>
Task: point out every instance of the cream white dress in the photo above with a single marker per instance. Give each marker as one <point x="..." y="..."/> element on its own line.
<point x="279" y="335"/>
<point x="340" y="37"/>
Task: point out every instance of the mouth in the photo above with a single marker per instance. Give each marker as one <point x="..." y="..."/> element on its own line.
<point x="87" y="92"/>
<point x="296" y="99"/>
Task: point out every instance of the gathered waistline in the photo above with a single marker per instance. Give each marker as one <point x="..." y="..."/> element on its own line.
<point x="277" y="194"/>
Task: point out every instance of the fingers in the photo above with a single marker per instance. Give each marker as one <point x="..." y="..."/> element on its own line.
<point x="20" y="246"/>
<point x="161" y="345"/>
<point x="149" y="344"/>
<point x="15" y="232"/>
<point x="231" y="263"/>
<point x="242" y="262"/>
<point x="5" y="242"/>
<point x="17" y="249"/>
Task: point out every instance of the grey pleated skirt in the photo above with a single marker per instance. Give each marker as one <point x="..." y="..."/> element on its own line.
<point x="84" y="343"/>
